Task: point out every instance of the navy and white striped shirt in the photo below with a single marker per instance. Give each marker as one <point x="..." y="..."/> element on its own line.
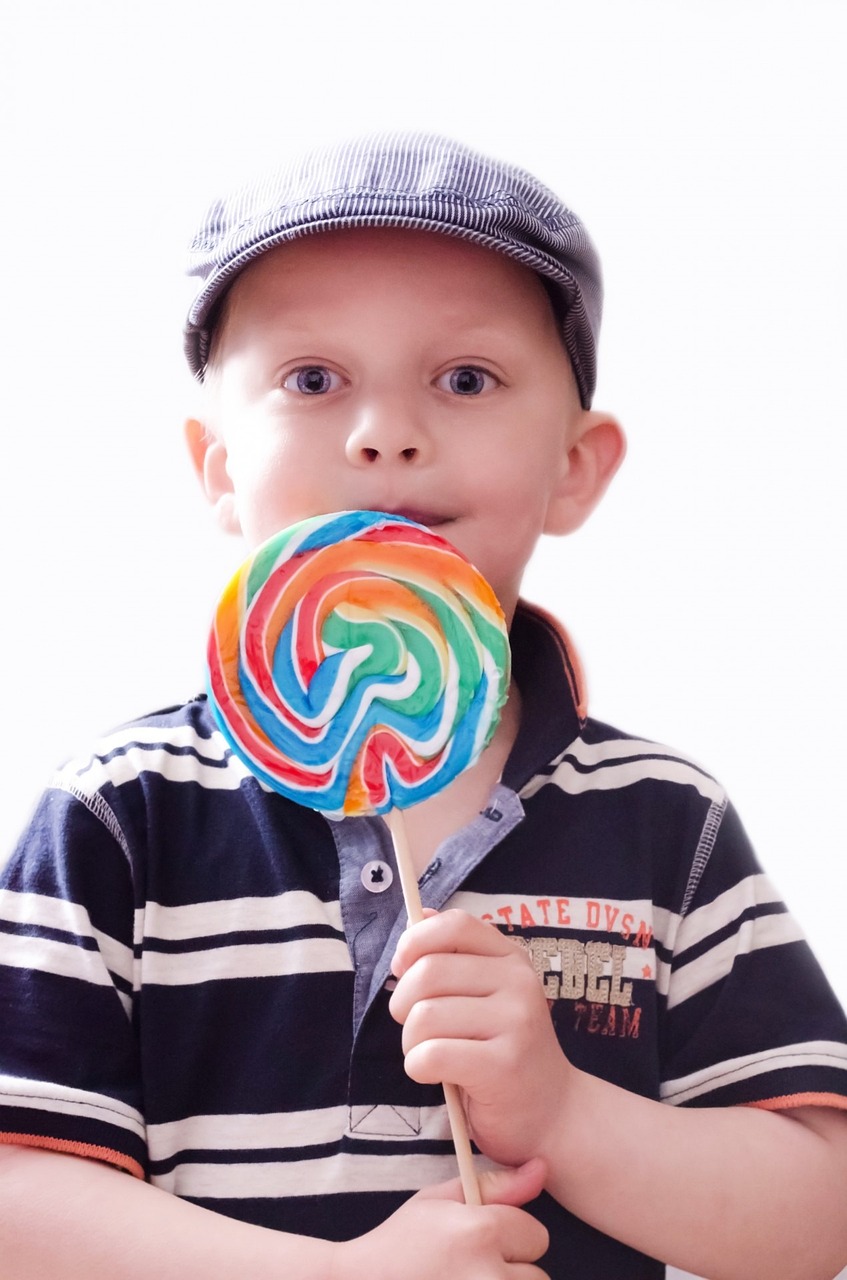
<point x="192" y="968"/>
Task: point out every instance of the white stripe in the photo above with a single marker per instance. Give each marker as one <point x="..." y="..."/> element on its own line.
<point x="178" y="736"/>
<point x="130" y="764"/>
<point x="595" y="753"/>
<point x="749" y="893"/>
<point x="237" y="915"/>
<point x="63" y="959"/>
<point x="697" y="926"/>
<point x="657" y="763"/>
<point x="295" y="1129"/>
<point x="329" y="1175"/>
<point x="813" y="1053"/>
<point x="70" y="917"/>
<point x="627" y="774"/>
<point x="753" y="935"/>
<point x="252" y="960"/>
<point x="39" y="1095"/>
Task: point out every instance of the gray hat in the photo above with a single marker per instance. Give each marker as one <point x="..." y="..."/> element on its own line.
<point x="420" y="182"/>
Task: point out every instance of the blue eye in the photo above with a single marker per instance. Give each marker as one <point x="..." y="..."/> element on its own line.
<point x="466" y="380"/>
<point x="312" y="380"/>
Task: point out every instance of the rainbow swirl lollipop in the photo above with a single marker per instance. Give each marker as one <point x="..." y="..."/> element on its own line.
<point x="358" y="663"/>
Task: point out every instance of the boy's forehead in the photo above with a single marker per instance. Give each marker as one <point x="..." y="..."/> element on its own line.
<point x="414" y="181"/>
<point x="328" y="288"/>
<point x="432" y="258"/>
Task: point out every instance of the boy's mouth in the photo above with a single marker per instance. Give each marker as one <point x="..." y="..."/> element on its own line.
<point x="431" y="519"/>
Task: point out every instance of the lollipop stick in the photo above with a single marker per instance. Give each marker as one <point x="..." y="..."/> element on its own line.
<point x="414" y="911"/>
<point x="408" y="880"/>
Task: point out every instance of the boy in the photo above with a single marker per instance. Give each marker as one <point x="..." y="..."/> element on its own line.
<point x="197" y="975"/>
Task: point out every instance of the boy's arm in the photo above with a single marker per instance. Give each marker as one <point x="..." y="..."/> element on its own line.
<point x="69" y="1218"/>
<point x="732" y="1193"/>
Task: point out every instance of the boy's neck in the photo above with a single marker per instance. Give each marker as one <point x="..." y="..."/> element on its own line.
<point x="433" y="820"/>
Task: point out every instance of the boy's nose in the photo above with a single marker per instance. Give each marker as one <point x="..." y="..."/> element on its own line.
<point x="388" y="436"/>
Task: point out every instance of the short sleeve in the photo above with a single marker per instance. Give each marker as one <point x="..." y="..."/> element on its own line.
<point x="69" y="1077"/>
<point x="750" y="1017"/>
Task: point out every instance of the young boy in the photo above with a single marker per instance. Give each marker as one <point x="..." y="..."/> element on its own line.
<point x="202" y="985"/>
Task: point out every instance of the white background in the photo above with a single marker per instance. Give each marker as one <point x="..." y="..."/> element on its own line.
<point x="703" y="143"/>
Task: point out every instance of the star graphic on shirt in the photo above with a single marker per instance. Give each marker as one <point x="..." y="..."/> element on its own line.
<point x="647" y="971"/>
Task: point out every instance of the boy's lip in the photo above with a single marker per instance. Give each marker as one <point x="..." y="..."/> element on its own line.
<point x="431" y="519"/>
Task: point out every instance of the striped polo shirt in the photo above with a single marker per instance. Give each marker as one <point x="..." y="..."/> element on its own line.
<point x="194" y="970"/>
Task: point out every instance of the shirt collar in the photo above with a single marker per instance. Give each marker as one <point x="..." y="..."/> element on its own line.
<point x="548" y="673"/>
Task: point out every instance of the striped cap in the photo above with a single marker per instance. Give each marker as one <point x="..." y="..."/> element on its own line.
<point x="418" y="181"/>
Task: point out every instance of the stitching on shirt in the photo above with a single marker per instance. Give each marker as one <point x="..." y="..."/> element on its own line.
<point x="432" y="870"/>
<point x="356" y="1127"/>
<point x="97" y="806"/>
<point x="703" y="853"/>
<point x="731" y="1073"/>
<point x="44" y="1097"/>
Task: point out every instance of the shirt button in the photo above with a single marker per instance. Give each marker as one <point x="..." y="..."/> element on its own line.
<point x="377" y="876"/>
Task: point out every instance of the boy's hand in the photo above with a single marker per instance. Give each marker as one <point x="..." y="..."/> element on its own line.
<point x="475" y="1014"/>
<point x="435" y="1235"/>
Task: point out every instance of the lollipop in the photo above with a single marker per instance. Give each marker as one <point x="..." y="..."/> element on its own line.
<point x="358" y="664"/>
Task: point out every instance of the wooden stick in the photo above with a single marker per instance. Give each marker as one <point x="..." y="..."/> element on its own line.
<point x="452" y="1095"/>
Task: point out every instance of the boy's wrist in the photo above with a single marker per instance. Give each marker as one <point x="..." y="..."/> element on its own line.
<point x="564" y="1146"/>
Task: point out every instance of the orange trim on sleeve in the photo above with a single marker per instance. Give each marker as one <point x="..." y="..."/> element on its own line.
<point x="84" y="1149"/>
<point x="791" y="1100"/>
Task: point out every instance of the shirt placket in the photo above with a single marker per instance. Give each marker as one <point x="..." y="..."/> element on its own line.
<point x="380" y="1094"/>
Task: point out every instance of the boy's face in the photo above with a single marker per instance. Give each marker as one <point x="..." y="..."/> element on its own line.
<point x="397" y="371"/>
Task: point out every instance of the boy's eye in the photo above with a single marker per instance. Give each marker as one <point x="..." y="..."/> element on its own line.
<point x="312" y="380"/>
<point x="466" y="380"/>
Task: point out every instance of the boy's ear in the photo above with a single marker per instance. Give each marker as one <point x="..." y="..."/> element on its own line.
<point x="209" y="457"/>
<point x="596" y="450"/>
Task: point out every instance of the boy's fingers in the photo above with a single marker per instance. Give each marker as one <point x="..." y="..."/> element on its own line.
<point x="498" y="1186"/>
<point x="513" y="1186"/>
<point x="520" y="1236"/>
<point x="449" y="931"/>
<point x="463" y="978"/>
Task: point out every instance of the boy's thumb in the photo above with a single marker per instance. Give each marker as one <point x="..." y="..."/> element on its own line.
<point x="497" y="1186"/>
